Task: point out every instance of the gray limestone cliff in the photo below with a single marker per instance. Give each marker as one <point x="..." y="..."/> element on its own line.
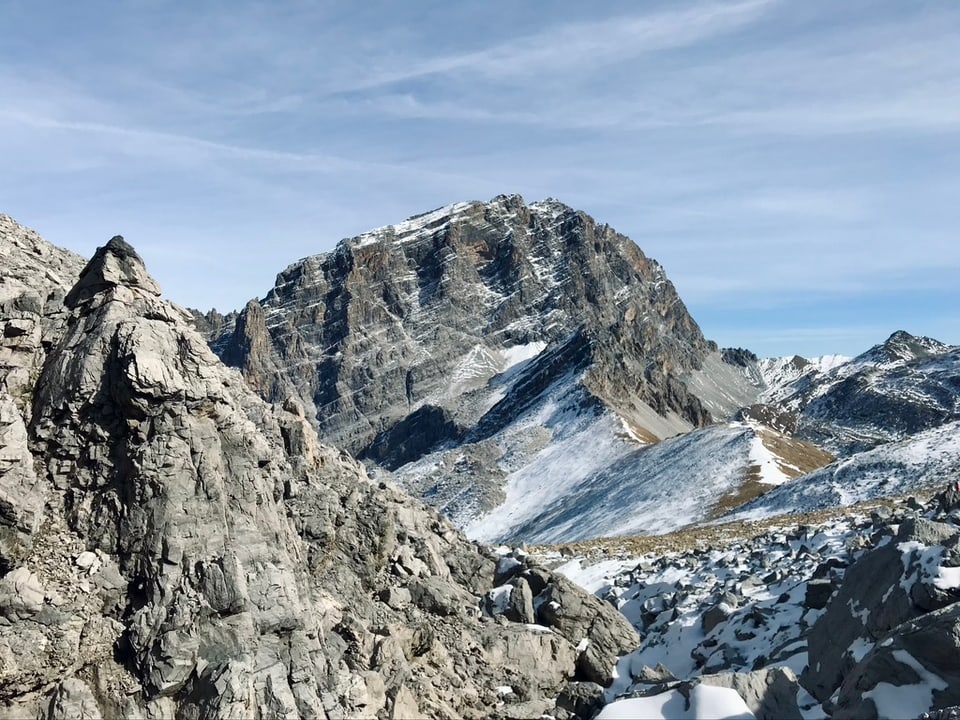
<point x="457" y="347"/>
<point x="173" y="546"/>
<point x="424" y="313"/>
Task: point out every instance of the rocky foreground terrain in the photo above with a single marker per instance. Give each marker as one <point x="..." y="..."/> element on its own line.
<point x="842" y="615"/>
<point x="173" y="546"/>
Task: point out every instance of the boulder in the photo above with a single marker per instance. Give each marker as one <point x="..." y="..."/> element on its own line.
<point x="718" y="613"/>
<point x="915" y="663"/>
<point x="73" y="700"/>
<point x="21" y="594"/>
<point x="600" y="632"/>
<point x="926" y="532"/>
<point x="579" y="700"/>
<point x="520" y="605"/>
<point x="770" y="693"/>
<point x="869" y="603"/>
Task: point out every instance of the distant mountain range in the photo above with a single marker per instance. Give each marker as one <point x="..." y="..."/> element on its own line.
<point x="532" y="374"/>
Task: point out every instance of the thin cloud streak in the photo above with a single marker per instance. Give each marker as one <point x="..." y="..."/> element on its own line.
<point x="157" y="143"/>
<point x="573" y="46"/>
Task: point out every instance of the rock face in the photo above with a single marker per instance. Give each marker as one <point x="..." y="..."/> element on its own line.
<point x="923" y="652"/>
<point x="427" y="311"/>
<point x="173" y="546"/>
<point x="482" y="341"/>
<point x="35" y="278"/>
<point x="892" y="624"/>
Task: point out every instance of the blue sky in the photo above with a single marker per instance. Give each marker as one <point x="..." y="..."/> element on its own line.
<point x="795" y="166"/>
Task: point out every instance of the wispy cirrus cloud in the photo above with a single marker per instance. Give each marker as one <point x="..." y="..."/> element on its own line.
<point x="562" y="48"/>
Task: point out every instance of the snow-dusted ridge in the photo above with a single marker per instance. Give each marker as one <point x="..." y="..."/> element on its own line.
<point x="781" y="375"/>
<point x="592" y="483"/>
<point x="432" y="220"/>
<point x="928" y="460"/>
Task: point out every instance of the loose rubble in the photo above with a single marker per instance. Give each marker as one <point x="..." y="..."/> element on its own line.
<point x="814" y="621"/>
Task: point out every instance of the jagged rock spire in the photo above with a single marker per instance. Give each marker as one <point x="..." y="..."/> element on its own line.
<point x="114" y="264"/>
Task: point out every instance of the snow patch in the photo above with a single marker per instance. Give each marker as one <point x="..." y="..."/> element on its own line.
<point x="411" y="226"/>
<point x="906" y="701"/>
<point x="767" y="463"/>
<point x="521" y="353"/>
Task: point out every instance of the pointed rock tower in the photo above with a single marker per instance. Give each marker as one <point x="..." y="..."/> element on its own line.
<point x="195" y="552"/>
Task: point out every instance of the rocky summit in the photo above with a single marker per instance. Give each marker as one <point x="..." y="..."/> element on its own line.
<point x="410" y="321"/>
<point x="533" y="375"/>
<point x="463" y="346"/>
<point x="173" y="546"/>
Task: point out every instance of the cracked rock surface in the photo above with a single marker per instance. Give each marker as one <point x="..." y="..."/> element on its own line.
<point x="173" y="546"/>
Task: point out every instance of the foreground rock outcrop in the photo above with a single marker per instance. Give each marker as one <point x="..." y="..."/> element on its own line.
<point x="173" y="546"/>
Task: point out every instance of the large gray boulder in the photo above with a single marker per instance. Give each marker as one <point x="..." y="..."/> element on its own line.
<point x="883" y="589"/>
<point x="601" y="632"/>
<point x="869" y="603"/>
<point x="915" y="665"/>
<point x="770" y="693"/>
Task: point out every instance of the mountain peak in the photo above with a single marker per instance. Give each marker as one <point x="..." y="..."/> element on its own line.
<point x="114" y="264"/>
<point x="899" y="336"/>
<point x="499" y="209"/>
<point x="476" y="326"/>
<point x="901" y="346"/>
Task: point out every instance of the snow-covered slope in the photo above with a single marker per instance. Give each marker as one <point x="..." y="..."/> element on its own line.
<point x="930" y="459"/>
<point x="590" y="478"/>
<point x="785" y="376"/>
<point x="560" y="466"/>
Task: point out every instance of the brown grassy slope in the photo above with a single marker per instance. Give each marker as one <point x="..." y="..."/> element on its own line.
<point x="716" y="535"/>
